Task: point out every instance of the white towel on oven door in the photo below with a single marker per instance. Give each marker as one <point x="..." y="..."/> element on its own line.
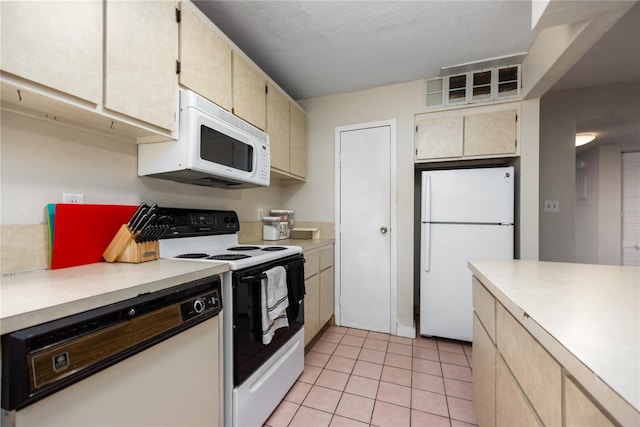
<point x="274" y="302"/>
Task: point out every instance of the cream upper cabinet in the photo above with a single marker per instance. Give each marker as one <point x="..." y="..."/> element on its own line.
<point x="140" y="60"/>
<point x="439" y="137"/>
<point x="249" y="101"/>
<point x="490" y="133"/>
<point x="487" y="131"/>
<point x="205" y="58"/>
<point x="55" y="43"/>
<point x="278" y="127"/>
<point x="287" y="129"/>
<point x="298" y="142"/>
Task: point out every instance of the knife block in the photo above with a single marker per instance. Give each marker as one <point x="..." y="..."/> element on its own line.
<point x="123" y="248"/>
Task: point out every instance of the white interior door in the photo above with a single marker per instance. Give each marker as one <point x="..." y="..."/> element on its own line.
<point x="364" y="212"/>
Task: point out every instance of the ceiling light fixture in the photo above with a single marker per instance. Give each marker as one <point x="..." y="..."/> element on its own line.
<point x="584" y="138"/>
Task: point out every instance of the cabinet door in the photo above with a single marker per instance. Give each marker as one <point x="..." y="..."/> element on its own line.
<point x="141" y="54"/>
<point x="484" y="375"/>
<point x="248" y="92"/>
<point x="311" y="308"/>
<point x="205" y="58"/>
<point x="298" y="142"/>
<point x="538" y="374"/>
<point x="278" y="127"/>
<point x="326" y="295"/>
<point x="512" y="408"/>
<point x="580" y="409"/>
<point x="490" y="133"/>
<point x="56" y="44"/>
<point x="439" y="137"/>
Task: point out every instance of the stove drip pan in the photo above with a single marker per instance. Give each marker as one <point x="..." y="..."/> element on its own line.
<point x="229" y="257"/>
<point x="274" y="248"/>
<point x="192" y="256"/>
<point x="243" y="248"/>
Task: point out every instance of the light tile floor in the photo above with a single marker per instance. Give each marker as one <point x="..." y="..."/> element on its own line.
<point x="354" y="377"/>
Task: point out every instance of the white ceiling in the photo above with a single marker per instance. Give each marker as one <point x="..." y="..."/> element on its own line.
<point x="315" y="48"/>
<point x="322" y="47"/>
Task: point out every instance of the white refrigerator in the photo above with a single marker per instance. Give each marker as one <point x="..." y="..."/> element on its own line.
<point x="465" y="214"/>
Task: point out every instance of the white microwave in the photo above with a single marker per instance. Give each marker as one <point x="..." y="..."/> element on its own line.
<point x="215" y="149"/>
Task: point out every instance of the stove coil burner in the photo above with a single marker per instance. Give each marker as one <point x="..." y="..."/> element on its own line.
<point x="229" y="257"/>
<point x="192" y="256"/>
<point x="243" y="248"/>
<point x="274" y="248"/>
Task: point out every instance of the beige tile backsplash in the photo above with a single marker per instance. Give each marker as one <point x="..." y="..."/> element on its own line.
<point x="26" y="247"/>
<point x="252" y="231"/>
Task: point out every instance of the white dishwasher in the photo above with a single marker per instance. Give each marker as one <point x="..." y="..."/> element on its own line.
<point x="153" y="360"/>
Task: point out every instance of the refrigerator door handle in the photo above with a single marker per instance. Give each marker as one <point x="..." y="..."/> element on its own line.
<point x="426" y="194"/>
<point x="426" y="247"/>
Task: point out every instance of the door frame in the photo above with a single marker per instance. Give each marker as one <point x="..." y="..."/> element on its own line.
<point x="393" y="291"/>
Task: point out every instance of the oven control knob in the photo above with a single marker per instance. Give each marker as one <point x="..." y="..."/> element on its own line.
<point x="199" y="305"/>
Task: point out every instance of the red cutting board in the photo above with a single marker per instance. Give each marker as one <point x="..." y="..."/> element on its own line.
<point x="81" y="232"/>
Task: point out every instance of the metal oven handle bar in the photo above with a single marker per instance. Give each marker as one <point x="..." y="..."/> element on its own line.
<point x="253" y="278"/>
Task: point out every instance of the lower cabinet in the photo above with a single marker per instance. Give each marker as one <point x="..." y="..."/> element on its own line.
<point x="580" y="409"/>
<point x="319" y="299"/>
<point x="516" y="382"/>
<point x="484" y="375"/>
<point x="512" y="407"/>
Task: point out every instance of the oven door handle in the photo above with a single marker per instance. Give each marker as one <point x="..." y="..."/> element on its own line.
<point x="258" y="277"/>
<point x="248" y="279"/>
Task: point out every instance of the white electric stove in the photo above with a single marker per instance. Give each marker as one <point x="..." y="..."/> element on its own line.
<point x="256" y="376"/>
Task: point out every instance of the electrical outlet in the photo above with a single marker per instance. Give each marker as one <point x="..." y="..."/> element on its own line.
<point x="260" y="214"/>
<point x="551" y="206"/>
<point x="72" y="198"/>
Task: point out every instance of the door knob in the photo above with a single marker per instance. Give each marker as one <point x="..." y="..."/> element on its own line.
<point x="383" y="230"/>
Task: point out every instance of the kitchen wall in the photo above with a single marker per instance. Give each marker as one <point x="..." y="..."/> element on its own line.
<point x="400" y="101"/>
<point x="41" y="160"/>
<point x="559" y="113"/>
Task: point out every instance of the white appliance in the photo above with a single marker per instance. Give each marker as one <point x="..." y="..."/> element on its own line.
<point x="465" y="214"/>
<point x="215" y="149"/>
<point x="152" y="360"/>
<point x="257" y="376"/>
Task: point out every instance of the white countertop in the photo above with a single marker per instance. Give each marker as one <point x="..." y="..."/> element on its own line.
<point x="28" y="299"/>
<point x="586" y="316"/>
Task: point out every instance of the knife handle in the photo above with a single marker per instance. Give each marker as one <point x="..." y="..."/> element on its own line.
<point x="136" y="215"/>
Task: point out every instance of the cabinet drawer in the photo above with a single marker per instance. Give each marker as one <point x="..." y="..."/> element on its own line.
<point x="485" y="307"/>
<point x="326" y="258"/>
<point x="538" y="374"/>
<point x="512" y="408"/>
<point x="312" y="264"/>
<point x="580" y="409"/>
